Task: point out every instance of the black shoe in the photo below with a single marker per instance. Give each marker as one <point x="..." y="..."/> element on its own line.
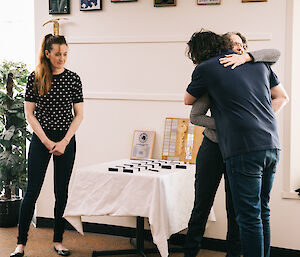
<point x="61" y="252"/>
<point x="17" y="254"/>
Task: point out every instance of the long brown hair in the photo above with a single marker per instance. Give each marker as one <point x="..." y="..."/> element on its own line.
<point x="43" y="71"/>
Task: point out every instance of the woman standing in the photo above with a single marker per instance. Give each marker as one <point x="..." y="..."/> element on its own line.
<point x="52" y="93"/>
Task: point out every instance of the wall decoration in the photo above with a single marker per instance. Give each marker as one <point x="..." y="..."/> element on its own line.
<point x="161" y="3"/>
<point x="142" y="145"/>
<point x="181" y="140"/>
<point x="55" y="25"/>
<point x="120" y="1"/>
<point x="208" y="2"/>
<point x="90" y="5"/>
<point x="59" y="6"/>
<point x="247" y="1"/>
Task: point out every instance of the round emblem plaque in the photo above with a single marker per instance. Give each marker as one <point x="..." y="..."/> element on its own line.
<point x="143" y="137"/>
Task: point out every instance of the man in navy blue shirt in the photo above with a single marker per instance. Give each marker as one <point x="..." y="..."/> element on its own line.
<point x="244" y="100"/>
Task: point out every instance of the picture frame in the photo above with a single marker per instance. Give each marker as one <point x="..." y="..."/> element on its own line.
<point x="249" y="1"/>
<point x="123" y="1"/>
<point x="90" y="5"/>
<point x="181" y="140"/>
<point x="208" y="2"/>
<point x="142" y="145"/>
<point x="59" y="6"/>
<point x="164" y="3"/>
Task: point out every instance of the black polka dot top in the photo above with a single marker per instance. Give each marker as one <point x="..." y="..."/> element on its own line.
<point x="54" y="110"/>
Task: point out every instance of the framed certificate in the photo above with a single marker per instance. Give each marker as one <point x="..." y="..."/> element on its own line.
<point x="247" y="1"/>
<point x="90" y="5"/>
<point x="120" y="1"/>
<point x="59" y="6"/>
<point x="161" y="3"/>
<point x="206" y="2"/>
<point x="142" y="145"/>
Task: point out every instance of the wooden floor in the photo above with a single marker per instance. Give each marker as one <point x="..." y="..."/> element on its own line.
<point x="40" y="244"/>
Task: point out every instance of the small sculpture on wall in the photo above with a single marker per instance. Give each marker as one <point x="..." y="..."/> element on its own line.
<point x="55" y="25"/>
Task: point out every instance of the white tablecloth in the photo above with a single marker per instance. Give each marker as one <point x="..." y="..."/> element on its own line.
<point x="165" y="197"/>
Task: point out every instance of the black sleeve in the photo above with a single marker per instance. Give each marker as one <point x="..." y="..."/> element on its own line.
<point x="274" y="81"/>
<point x="198" y="85"/>
<point x="30" y="93"/>
<point x="77" y="96"/>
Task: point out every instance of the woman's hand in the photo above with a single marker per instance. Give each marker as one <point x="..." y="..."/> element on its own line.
<point x="59" y="148"/>
<point x="49" y="144"/>
<point x="235" y="60"/>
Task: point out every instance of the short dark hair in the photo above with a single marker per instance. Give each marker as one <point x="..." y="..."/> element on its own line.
<point x="243" y="38"/>
<point x="206" y="44"/>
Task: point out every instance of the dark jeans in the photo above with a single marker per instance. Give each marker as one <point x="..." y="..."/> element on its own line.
<point x="209" y="170"/>
<point x="251" y="177"/>
<point x="38" y="160"/>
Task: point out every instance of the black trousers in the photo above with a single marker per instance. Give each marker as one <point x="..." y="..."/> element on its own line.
<point x="209" y="170"/>
<point x="38" y="160"/>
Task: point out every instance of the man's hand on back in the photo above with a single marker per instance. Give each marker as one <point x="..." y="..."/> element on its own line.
<point x="235" y="60"/>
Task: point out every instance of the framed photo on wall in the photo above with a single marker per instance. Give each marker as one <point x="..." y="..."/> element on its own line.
<point x="120" y="1"/>
<point x="161" y="3"/>
<point x="247" y="1"/>
<point x="90" y="5"/>
<point x="59" y="6"/>
<point x="142" y="145"/>
<point x="208" y="2"/>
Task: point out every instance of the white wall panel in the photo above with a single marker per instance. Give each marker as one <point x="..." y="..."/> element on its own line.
<point x="132" y="68"/>
<point x="131" y="58"/>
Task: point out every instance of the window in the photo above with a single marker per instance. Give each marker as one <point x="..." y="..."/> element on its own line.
<point x="17" y="31"/>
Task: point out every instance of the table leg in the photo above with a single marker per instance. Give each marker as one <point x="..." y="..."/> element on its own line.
<point x="138" y="245"/>
<point x="140" y="233"/>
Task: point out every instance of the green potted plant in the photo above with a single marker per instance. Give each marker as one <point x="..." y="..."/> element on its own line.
<point x="13" y="135"/>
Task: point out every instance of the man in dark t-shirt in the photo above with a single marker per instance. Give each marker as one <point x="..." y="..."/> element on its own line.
<point x="244" y="100"/>
<point x="242" y="104"/>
